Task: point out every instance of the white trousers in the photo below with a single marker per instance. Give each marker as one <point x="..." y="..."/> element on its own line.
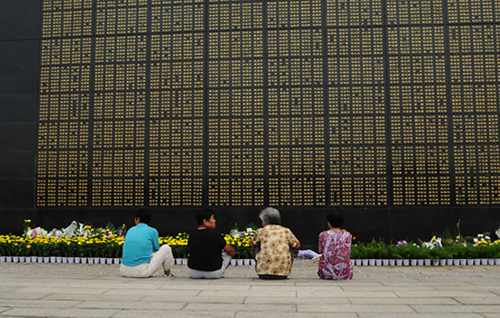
<point x="226" y="259"/>
<point x="161" y="258"/>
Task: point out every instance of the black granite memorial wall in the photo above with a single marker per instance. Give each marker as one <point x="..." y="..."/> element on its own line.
<point x="385" y="109"/>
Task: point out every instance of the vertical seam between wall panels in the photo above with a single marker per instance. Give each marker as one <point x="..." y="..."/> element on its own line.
<point x="90" y="168"/>
<point x="326" y="104"/>
<point x="265" y="106"/>
<point x="388" y="141"/>
<point x="449" y="103"/>
<point x="147" y="110"/>
<point x="206" y="117"/>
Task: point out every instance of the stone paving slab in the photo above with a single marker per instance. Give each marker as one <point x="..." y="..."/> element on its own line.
<point x="38" y="303"/>
<point x="174" y="314"/>
<point x="225" y="293"/>
<point x="198" y="299"/>
<point x="296" y="300"/>
<point x="58" y="312"/>
<point x="124" y="293"/>
<point x="457" y="309"/>
<point x="296" y="315"/>
<point x="94" y="290"/>
<point x="477" y="301"/>
<point x="263" y="308"/>
<point x="91" y="297"/>
<point x="136" y="305"/>
<point x="457" y="292"/>
<point x="355" y="308"/>
<point x="417" y="315"/>
<point x="401" y="301"/>
<point x="14" y="295"/>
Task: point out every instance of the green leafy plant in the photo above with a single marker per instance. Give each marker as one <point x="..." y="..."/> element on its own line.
<point x="180" y="251"/>
<point x="440" y="253"/>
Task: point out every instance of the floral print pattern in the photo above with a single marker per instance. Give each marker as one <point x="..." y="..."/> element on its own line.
<point x="274" y="257"/>
<point x="335" y="247"/>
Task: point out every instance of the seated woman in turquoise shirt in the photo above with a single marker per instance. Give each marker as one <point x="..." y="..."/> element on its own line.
<point x="142" y="254"/>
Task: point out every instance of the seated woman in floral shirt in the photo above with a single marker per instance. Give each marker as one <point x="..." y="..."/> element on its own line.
<point x="274" y="260"/>
<point x="335" y="247"/>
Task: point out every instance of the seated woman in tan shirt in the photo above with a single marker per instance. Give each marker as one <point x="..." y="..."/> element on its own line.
<point x="274" y="260"/>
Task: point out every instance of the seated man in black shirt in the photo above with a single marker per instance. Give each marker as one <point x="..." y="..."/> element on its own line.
<point x="209" y="254"/>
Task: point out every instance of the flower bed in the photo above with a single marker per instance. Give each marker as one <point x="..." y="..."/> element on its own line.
<point x="80" y="243"/>
<point x="97" y="246"/>
<point x="377" y="253"/>
<point x="83" y="243"/>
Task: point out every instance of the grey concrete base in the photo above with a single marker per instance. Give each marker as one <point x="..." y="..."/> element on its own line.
<point x="82" y="290"/>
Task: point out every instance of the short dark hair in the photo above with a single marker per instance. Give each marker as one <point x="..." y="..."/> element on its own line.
<point x="144" y="215"/>
<point x="335" y="218"/>
<point x="204" y="214"/>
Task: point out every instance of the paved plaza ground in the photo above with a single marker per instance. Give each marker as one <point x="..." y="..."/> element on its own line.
<point x="83" y="290"/>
